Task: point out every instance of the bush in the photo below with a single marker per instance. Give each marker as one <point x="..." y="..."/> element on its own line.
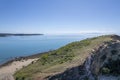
<point x="17" y="78"/>
<point x="105" y="70"/>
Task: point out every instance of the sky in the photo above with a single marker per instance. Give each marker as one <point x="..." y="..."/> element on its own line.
<point x="59" y="16"/>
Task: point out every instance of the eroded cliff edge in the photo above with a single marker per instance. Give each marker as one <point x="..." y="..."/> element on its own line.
<point x="103" y="63"/>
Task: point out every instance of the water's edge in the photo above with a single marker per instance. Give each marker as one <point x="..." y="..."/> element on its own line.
<point x="21" y="58"/>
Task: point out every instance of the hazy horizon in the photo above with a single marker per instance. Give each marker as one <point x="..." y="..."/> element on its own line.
<point x="60" y="16"/>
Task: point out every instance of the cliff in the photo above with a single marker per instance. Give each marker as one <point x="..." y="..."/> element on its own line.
<point x="90" y="59"/>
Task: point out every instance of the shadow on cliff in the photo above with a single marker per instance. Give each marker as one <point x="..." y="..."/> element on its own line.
<point x="74" y="73"/>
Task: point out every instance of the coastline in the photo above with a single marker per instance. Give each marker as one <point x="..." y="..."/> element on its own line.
<point x="22" y="58"/>
<point x="8" y="68"/>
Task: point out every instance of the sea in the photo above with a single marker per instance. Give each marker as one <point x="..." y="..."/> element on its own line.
<point x="17" y="46"/>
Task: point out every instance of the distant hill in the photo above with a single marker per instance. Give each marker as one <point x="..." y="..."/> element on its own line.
<point x="12" y="34"/>
<point x="95" y="58"/>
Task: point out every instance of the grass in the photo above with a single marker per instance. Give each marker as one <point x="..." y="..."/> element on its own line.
<point x="58" y="60"/>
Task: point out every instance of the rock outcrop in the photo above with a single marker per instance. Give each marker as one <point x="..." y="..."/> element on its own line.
<point x="103" y="63"/>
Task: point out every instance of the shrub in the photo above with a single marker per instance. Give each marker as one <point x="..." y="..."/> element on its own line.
<point x="105" y="70"/>
<point x="17" y="78"/>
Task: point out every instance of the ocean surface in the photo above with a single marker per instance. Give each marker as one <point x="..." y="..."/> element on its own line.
<point x="16" y="46"/>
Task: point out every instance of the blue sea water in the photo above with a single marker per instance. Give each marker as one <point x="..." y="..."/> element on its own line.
<point x="11" y="47"/>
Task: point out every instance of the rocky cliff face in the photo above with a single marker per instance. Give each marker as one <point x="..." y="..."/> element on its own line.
<point x="103" y="63"/>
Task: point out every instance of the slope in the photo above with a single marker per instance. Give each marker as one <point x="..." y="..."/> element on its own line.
<point x="62" y="59"/>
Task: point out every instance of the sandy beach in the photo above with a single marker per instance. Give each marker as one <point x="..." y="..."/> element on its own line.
<point x="7" y="71"/>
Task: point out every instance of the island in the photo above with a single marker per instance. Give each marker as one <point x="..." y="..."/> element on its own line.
<point x="17" y="34"/>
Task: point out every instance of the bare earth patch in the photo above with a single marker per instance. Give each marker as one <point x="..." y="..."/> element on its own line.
<point x="7" y="71"/>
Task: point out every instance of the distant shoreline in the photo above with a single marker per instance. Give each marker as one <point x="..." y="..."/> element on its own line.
<point x="16" y="34"/>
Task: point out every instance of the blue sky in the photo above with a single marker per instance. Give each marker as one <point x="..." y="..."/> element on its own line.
<point x="59" y="16"/>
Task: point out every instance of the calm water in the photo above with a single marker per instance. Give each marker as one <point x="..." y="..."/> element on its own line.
<point x="11" y="47"/>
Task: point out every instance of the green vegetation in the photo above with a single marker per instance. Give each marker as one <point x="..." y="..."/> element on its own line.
<point x="59" y="60"/>
<point x="112" y="67"/>
<point x="105" y="70"/>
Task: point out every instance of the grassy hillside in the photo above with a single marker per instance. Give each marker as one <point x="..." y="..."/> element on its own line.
<point x="61" y="59"/>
